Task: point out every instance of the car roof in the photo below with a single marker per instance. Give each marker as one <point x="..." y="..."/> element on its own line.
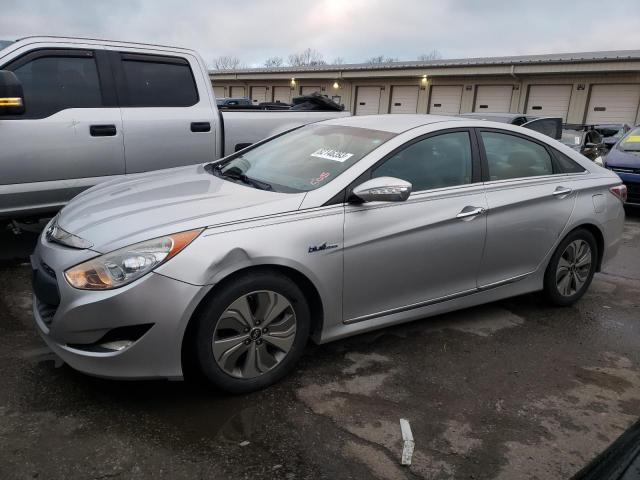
<point x="494" y="114"/>
<point x="396" y="123"/>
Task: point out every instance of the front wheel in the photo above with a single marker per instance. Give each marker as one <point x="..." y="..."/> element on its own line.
<point x="252" y="332"/>
<point x="571" y="268"/>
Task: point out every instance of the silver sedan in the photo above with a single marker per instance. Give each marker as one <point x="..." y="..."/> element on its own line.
<point x="228" y="268"/>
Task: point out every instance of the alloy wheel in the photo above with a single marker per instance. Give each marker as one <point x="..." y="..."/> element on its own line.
<point x="574" y="267"/>
<point x="254" y="334"/>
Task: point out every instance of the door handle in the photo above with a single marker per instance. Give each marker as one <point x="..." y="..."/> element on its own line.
<point x="102" y="130"/>
<point x="562" y="191"/>
<point x="470" y="212"/>
<point x="200" y="127"/>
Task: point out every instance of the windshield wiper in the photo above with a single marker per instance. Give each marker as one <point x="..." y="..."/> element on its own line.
<point x="235" y="174"/>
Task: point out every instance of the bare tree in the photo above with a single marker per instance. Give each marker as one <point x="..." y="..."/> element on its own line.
<point x="226" y="62"/>
<point x="432" y="55"/>
<point x="338" y="61"/>
<point x="380" y="59"/>
<point x="308" y="57"/>
<point x="274" y="62"/>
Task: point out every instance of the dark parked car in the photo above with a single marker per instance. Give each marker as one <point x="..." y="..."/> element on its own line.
<point x="550" y="126"/>
<point x="586" y="140"/>
<point x="612" y="132"/>
<point x="624" y="159"/>
<point x="233" y="102"/>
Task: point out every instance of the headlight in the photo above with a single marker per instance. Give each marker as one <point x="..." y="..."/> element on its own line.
<point x="598" y="161"/>
<point x="123" y="266"/>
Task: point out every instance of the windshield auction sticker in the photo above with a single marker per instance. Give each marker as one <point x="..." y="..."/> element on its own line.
<point x="329" y="154"/>
<point x="632" y="139"/>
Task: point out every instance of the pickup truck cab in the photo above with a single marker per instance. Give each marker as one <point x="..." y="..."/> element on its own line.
<point x="77" y="112"/>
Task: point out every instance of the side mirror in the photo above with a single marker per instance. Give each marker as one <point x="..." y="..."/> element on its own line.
<point x="11" y="96"/>
<point x="383" y="189"/>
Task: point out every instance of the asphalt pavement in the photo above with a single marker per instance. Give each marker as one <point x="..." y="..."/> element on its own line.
<point x="511" y="390"/>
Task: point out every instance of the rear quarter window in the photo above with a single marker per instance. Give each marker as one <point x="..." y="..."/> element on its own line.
<point x="509" y="156"/>
<point x="566" y="164"/>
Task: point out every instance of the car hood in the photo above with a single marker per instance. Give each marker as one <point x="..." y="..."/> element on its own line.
<point x="122" y="212"/>
<point x="619" y="158"/>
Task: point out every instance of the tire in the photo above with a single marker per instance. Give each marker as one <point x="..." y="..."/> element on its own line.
<point x="243" y="340"/>
<point x="566" y="278"/>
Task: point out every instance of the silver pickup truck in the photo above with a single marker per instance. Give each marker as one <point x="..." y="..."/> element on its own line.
<point x="77" y="112"/>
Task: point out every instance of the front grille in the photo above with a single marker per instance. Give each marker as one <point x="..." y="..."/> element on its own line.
<point x="633" y="192"/>
<point x="48" y="269"/>
<point x="46" y="311"/>
<point x="45" y="289"/>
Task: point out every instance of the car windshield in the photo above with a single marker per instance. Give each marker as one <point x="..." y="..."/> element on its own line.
<point x="301" y="160"/>
<point x="572" y="138"/>
<point x="631" y="142"/>
<point x="610" y="131"/>
<point x="5" y="43"/>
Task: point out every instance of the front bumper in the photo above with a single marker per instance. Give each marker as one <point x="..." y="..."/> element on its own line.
<point x="82" y="318"/>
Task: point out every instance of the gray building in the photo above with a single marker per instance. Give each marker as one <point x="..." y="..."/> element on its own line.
<point x="591" y="87"/>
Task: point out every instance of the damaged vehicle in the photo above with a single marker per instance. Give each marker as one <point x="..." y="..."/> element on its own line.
<point x="586" y="140"/>
<point x="329" y="230"/>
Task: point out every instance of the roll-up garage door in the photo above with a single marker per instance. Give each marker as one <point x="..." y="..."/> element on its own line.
<point x="237" y="92"/>
<point x="445" y="99"/>
<point x="404" y="99"/>
<point x="549" y="100"/>
<point x="258" y="94"/>
<point x="613" y="103"/>
<point x="309" y="90"/>
<point x="493" y="98"/>
<point x="282" y="94"/>
<point x="367" y="100"/>
<point x="218" y="92"/>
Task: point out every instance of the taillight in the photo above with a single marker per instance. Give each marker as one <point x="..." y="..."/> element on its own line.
<point x="620" y="191"/>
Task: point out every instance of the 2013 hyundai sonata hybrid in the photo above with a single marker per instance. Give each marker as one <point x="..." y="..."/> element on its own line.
<point x="325" y="231"/>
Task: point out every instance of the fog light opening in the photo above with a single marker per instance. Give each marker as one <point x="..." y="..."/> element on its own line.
<point x="117" y="345"/>
<point x="116" y="340"/>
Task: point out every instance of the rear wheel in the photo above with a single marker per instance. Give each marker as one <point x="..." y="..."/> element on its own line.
<point x="571" y="268"/>
<point x="252" y="332"/>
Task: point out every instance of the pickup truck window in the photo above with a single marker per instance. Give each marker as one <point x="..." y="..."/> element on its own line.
<point x="302" y="160"/>
<point x="155" y="82"/>
<point x="55" y="83"/>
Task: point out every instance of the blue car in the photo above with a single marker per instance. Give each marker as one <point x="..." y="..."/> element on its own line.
<point x="624" y="159"/>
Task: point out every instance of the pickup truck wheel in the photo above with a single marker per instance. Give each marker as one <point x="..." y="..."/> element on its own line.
<point x="571" y="268"/>
<point x="252" y="332"/>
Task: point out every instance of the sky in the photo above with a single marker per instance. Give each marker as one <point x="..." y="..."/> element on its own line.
<point x="355" y="30"/>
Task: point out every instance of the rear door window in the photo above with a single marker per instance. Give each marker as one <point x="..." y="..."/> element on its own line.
<point x="155" y="81"/>
<point x="509" y="156"/>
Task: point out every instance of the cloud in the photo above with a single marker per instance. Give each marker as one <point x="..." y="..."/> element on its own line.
<point x="353" y="29"/>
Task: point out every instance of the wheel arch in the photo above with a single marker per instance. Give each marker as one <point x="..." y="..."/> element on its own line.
<point x="598" y="235"/>
<point x="591" y="228"/>
<point x="309" y="290"/>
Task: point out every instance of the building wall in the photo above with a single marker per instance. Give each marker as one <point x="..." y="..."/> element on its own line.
<point x="580" y="82"/>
